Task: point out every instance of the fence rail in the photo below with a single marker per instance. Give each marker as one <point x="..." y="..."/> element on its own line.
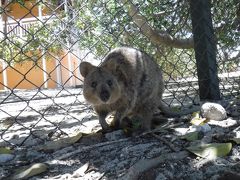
<point x="20" y="27"/>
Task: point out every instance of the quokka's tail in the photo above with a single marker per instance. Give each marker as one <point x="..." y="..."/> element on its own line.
<point x="168" y="112"/>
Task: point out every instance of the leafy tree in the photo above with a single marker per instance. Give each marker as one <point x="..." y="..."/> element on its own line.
<point x="161" y="28"/>
<point x="41" y="39"/>
<point x="30" y="48"/>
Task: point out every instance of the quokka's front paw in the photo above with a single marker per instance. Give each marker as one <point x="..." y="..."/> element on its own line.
<point x="106" y="130"/>
<point x="115" y="125"/>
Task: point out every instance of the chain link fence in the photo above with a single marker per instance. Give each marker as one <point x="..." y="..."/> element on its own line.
<point x="43" y="43"/>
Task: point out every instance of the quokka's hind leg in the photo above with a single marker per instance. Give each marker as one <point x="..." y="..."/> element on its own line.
<point x="147" y="121"/>
<point x="145" y="115"/>
<point x="119" y="117"/>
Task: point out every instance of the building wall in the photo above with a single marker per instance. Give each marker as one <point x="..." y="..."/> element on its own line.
<point x="1" y="77"/>
<point x="24" y="76"/>
<point x="30" y="9"/>
<point x="65" y="69"/>
<point x="27" y="75"/>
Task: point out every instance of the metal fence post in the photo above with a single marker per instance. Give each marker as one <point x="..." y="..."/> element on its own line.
<point x="205" y="49"/>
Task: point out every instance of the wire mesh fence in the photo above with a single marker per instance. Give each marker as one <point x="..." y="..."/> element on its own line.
<point x="43" y="43"/>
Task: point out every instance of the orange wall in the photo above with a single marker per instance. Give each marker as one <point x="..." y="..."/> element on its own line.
<point x="29" y="76"/>
<point x="1" y="77"/>
<point x="65" y="69"/>
<point x="52" y="74"/>
<point x="78" y="78"/>
<point x="30" y="9"/>
<point x="18" y="74"/>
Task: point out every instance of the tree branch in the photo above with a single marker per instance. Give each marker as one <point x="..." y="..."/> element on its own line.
<point x="235" y="58"/>
<point x="156" y="37"/>
<point x="145" y="164"/>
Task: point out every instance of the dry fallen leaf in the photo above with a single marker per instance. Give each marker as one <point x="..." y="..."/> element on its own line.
<point x="192" y="136"/>
<point x="81" y="171"/>
<point x="5" y="150"/>
<point x="197" y="119"/>
<point x="5" y="154"/>
<point x="211" y="150"/>
<point x="196" y="114"/>
<point x="26" y="172"/>
<point x="236" y="140"/>
<point x="61" y="143"/>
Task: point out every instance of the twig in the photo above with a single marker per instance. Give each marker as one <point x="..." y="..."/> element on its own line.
<point x="145" y="164"/>
<point x="174" y="125"/>
<point x="170" y="145"/>
<point x="164" y="127"/>
<point x="102" y="176"/>
<point x="86" y="148"/>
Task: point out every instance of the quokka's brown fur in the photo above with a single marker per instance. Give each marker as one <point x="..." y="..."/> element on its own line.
<point x="128" y="82"/>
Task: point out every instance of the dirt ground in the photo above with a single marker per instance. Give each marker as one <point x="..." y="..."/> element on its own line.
<point x="160" y="154"/>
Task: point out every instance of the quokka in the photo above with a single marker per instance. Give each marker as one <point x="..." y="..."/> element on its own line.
<point x="127" y="82"/>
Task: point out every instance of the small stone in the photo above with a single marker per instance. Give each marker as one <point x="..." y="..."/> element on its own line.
<point x="235" y="112"/>
<point x="229" y="122"/>
<point x="34" y="155"/>
<point x="6" y="157"/>
<point x="213" y="111"/>
<point x="229" y="175"/>
<point x="115" y="135"/>
<point x="81" y="171"/>
<point x="161" y="176"/>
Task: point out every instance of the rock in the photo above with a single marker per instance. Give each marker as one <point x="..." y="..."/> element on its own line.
<point x="161" y="176"/>
<point x="213" y="111"/>
<point x="80" y="171"/>
<point x="229" y="176"/>
<point x="235" y="112"/>
<point x="115" y="135"/>
<point x="34" y="155"/>
<point x="201" y="128"/>
<point x="229" y="122"/>
<point x="5" y="157"/>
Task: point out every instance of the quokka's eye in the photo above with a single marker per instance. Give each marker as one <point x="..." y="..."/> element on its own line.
<point x="109" y="82"/>
<point x="94" y="84"/>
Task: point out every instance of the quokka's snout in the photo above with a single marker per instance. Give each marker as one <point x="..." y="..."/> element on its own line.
<point x="104" y="95"/>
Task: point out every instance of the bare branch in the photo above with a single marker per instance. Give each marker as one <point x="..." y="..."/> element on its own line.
<point x="156" y="37"/>
<point x="160" y="14"/>
<point x="235" y="58"/>
<point x="145" y="164"/>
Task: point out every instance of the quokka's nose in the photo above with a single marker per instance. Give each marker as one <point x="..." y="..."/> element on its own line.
<point x="104" y="95"/>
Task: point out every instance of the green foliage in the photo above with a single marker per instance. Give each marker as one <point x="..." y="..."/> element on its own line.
<point x="226" y="19"/>
<point x="21" y="2"/>
<point x="105" y="24"/>
<point x="39" y="40"/>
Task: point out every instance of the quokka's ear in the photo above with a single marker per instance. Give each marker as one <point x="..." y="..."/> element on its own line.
<point x="85" y="68"/>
